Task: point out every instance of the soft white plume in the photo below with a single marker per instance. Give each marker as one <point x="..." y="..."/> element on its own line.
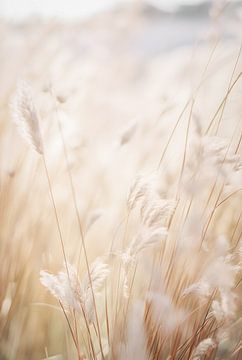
<point x="26" y="117"/>
<point x="70" y="291"/>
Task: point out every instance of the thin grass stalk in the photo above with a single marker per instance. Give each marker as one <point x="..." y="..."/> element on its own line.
<point x="79" y="221"/>
<point x="191" y="99"/>
<point x="222" y="102"/>
<point x="230" y="83"/>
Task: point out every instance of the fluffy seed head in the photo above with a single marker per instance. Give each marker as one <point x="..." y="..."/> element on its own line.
<point x="25" y="116"/>
<point x="72" y="292"/>
<point x="202" y="349"/>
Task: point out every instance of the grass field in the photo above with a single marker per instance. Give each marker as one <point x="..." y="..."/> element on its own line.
<point x="120" y="195"/>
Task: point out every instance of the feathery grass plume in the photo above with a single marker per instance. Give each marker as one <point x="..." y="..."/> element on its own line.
<point x="65" y="287"/>
<point x="147" y="239"/>
<point x="225" y="309"/>
<point x="68" y="289"/>
<point x="141" y="242"/>
<point x="144" y="188"/>
<point x="25" y="116"/>
<point x="213" y="146"/>
<point x="137" y="191"/>
<point x="201" y="288"/>
<point x="153" y="212"/>
<point x="203" y="348"/>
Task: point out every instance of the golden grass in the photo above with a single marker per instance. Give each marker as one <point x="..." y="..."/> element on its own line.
<point x="155" y="199"/>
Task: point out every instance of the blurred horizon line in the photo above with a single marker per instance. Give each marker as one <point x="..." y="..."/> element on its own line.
<point x="12" y="10"/>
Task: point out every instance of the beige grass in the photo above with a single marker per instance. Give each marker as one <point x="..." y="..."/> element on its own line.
<point x="147" y="198"/>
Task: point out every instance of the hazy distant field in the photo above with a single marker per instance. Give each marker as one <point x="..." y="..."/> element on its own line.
<point x="120" y="186"/>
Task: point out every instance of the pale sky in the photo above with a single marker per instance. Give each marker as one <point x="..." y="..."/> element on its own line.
<point x="19" y="9"/>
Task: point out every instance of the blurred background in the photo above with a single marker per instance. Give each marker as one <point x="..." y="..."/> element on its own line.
<point x="114" y="44"/>
<point x="75" y="9"/>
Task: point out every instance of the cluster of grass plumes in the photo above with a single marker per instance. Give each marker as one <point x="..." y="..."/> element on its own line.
<point x="128" y="248"/>
<point x="167" y="284"/>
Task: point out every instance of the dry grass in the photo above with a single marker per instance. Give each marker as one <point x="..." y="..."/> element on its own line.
<point x="129" y="215"/>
